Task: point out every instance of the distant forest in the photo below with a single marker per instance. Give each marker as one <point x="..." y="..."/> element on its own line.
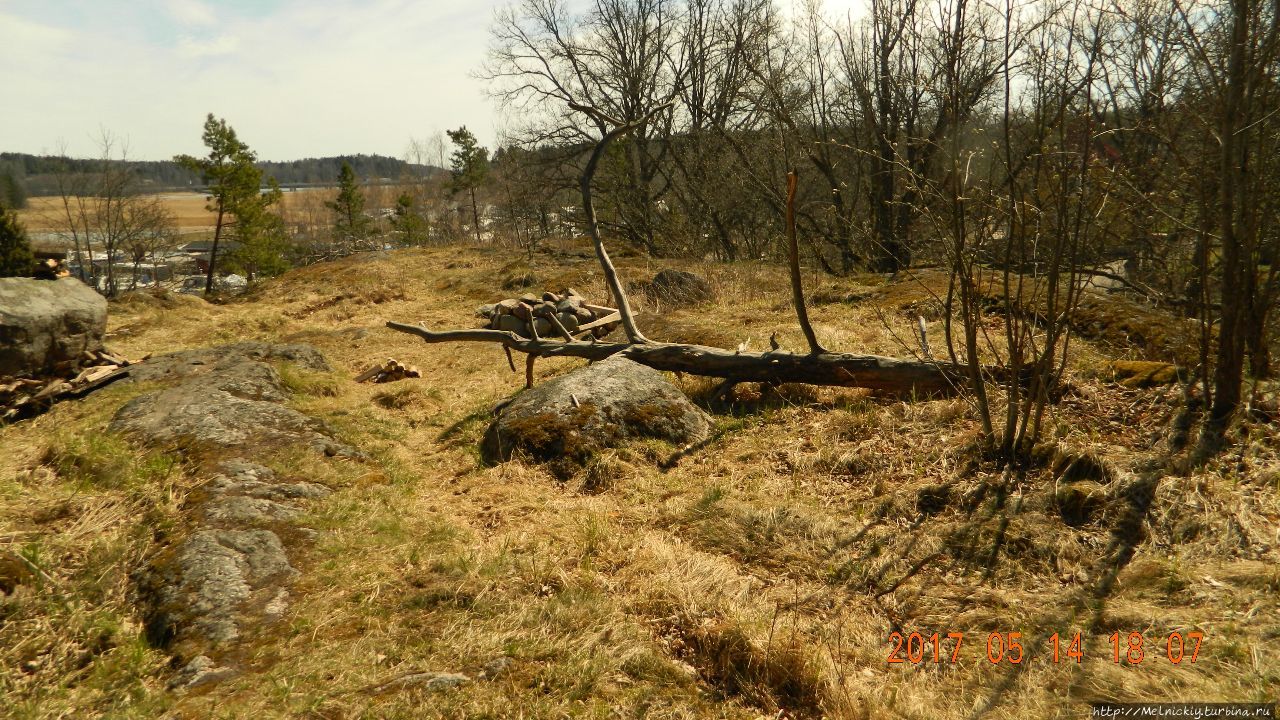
<point x="23" y="175"/>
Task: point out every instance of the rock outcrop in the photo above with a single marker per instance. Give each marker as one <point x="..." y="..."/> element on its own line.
<point x="46" y="327"/>
<point x="189" y="363"/>
<point x="598" y="406"/>
<point x="226" y="573"/>
<point x="235" y="404"/>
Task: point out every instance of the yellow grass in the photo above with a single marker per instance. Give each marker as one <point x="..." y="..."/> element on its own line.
<point x="761" y="576"/>
<point x="189" y="209"/>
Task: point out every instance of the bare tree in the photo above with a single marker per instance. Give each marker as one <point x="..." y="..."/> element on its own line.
<point x="107" y="208"/>
<point x="1237" y="69"/>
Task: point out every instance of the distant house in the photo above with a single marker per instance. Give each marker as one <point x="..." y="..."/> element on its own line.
<point x="202" y="247"/>
<point x="199" y="250"/>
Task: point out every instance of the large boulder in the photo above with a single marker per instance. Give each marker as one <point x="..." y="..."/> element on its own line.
<point x="598" y="406"/>
<point x="47" y="325"/>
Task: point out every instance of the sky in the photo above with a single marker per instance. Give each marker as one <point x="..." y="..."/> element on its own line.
<point x="295" y="78"/>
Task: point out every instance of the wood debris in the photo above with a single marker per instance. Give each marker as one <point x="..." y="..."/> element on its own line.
<point x="390" y="371"/>
<point x="25" y="397"/>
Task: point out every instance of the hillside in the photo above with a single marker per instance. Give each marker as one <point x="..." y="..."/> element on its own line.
<point x="759" y="575"/>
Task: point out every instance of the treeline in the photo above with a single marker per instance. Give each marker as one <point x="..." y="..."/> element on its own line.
<point x="1019" y="145"/>
<point x="23" y="175"/>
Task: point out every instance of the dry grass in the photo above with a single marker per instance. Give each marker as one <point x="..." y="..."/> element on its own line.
<point x="188" y="209"/>
<point x="761" y="574"/>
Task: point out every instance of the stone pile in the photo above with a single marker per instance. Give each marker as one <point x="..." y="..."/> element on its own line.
<point x="564" y="315"/>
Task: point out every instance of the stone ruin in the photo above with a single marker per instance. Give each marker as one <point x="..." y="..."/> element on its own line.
<point x="564" y="315"/>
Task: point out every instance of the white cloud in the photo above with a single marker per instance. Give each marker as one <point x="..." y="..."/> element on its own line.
<point x="191" y="47"/>
<point x="303" y="79"/>
<point x="21" y="37"/>
<point x="190" y="12"/>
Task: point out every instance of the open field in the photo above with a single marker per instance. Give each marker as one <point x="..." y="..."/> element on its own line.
<point x="44" y="214"/>
<point x="758" y="576"/>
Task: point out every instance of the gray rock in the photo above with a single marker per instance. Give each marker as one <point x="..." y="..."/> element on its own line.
<point x="45" y="324"/>
<point x="200" y="593"/>
<point x="569" y="321"/>
<point x="511" y="323"/>
<point x="242" y="510"/>
<point x="200" y="361"/>
<point x="428" y="681"/>
<point x="230" y="574"/>
<point x="680" y="287"/>
<point x="496" y="667"/>
<point x="233" y="404"/>
<point x="242" y="470"/>
<point x="223" y="485"/>
<point x="200" y="414"/>
<point x="591" y="408"/>
<point x="202" y="670"/>
<point x="247" y="379"/>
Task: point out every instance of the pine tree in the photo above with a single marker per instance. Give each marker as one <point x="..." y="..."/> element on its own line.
<point x="235" y="193"/>
<point x="470" y="169"/>
<point x="260" y="232"/>
<point x="351" y="226"/>
<point x="12" y="193"/>
<point x="408" y="222"/>
<point x="16" y="259"/>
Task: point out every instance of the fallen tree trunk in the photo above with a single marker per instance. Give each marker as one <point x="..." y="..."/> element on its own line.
<point x="827" y="368"/>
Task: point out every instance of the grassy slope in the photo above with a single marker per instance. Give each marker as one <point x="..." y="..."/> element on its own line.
<point x="763" y="572"/>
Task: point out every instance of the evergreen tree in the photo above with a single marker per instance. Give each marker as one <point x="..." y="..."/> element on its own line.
<point x="470" y="169"/>
<point x="234" y="192"/>
<point x="12" y="192"/>
<point x="351" y="226"/>
<point x="261" y="234"/>
<point x="16" y="259"/>
<point x="409" y="222"/>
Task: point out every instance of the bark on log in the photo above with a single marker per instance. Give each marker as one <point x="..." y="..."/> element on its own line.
<point x="833" y="369"/>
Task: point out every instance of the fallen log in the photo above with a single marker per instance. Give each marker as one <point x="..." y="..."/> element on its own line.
<point x="827" y="368"/>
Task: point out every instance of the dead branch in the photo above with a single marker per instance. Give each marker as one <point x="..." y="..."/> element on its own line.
<point x="826" y="368"/>
<point x="593" y="228"/>
<point x="793" y="258"/>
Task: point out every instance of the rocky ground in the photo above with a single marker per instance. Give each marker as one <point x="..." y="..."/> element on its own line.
<point x="241" y="529"/>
